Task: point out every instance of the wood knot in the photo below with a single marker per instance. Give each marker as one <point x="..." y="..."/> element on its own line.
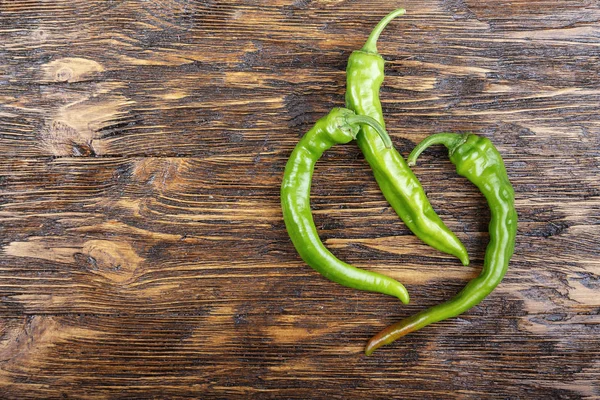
<point x="65" y="74"/>
<point x="76" y="127"/>
<point x="116" y="261"/>
<point x="61" y="139"/>
<point x="39" y="34"/>
<point x="71" y="69"/>
<point x="26" y="336"/>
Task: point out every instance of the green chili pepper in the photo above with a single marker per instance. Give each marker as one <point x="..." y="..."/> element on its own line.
<point x="476" y="159"/>
<point x="339" y="126"/>
<point x="401" y="188"/>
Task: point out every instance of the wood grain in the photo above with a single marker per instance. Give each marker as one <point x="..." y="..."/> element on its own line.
<point x="142" y="248"/>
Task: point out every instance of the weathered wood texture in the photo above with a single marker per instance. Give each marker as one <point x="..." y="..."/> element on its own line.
<point x="142" y="248"/>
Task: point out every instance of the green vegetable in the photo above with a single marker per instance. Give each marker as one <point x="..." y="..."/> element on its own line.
<point x="476" y="159"/>
<point x="339" y="126"/>
<point x="399" y="185"/>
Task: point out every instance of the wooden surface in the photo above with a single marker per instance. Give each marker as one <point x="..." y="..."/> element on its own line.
<point x="142" y="248"/>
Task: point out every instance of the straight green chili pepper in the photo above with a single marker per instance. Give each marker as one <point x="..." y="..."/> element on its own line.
<point x="476" y="159"/>
<point x="400" y="186"/>
<point x="339" y="126"/>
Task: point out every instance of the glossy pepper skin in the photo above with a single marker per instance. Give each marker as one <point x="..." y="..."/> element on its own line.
<point x="400" y="186"/>
<point x="338" y="127"/>
<point x="476" y="159"/>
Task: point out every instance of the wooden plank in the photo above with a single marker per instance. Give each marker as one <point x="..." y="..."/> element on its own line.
<point x="167" y="87"/>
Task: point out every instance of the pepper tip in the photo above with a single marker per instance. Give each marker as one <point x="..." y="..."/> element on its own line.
<point x="405" y="299"/>
<point x="369" y="348"/>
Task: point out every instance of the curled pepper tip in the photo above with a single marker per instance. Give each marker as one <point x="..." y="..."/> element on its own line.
<point x="371" y="346"/>
<point x="376" y="342"/>
<point x="403" y="295"/>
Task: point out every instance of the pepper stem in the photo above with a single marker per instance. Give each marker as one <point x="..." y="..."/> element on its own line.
<point x="371" y="43"/>
<point x="372" y="122"/>
<point x="450" y="140"/>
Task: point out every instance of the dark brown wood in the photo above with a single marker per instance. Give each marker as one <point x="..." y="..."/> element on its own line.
<point x="142" y="248"/>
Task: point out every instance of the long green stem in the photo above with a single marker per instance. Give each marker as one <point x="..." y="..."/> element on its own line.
<point x="372" y="122"/>
<point x="371" y="43"/>
<point x="450" y="140"/>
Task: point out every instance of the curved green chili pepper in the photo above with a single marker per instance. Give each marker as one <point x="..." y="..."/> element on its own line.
<point x="476" y="159"/>
<point x="399" y="185"/>
<point x="339" y="126"/>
